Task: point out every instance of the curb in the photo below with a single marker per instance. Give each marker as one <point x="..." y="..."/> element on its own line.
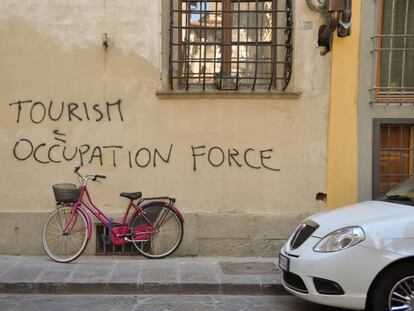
<point x="142" y="289"/>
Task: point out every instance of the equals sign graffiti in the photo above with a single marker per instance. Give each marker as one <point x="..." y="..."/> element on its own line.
<point x="58" y="135"/>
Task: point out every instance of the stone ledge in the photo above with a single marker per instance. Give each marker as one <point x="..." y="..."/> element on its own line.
<point x="181" y="94"/>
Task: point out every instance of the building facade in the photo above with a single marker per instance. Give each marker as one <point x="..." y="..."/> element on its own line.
<point x="224" y="106"/>
<point x="385" y="101"/>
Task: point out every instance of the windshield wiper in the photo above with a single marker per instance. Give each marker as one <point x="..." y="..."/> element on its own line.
<point x="399" y="197"/>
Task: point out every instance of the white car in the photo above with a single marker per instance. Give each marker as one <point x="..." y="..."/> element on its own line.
<point x="357" y="257"/>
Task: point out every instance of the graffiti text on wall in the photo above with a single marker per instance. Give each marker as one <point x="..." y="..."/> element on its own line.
<point x="37" y="111"/>
<point x="58" y="150"/>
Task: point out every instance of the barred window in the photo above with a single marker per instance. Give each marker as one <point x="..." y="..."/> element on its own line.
<point x="230" y="44"/>
<point x="394" y="53"/>
<point x="393" y="153"/>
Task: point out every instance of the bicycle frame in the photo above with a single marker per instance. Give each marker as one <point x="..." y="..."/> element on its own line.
<point x="83" y="205"/>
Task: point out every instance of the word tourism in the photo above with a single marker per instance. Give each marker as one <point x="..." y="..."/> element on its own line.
<point x="38" y="112"/>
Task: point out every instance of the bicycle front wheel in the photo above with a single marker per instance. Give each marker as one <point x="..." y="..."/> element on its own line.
<point x="60" y="245"/>
<point x="169" y="231"/>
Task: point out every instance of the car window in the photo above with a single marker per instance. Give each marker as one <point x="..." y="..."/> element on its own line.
<point x="405" y="189"/>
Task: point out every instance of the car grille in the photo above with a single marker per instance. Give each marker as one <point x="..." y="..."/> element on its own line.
<point x="327" y="287"/>
<point x="294" y="282"/>
<point x="302" y="233"/>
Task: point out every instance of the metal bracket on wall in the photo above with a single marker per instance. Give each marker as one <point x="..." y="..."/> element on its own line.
<point x="339" y="14"/>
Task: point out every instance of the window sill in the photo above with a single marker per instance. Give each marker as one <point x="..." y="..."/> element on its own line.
<point x="181" y="94"/>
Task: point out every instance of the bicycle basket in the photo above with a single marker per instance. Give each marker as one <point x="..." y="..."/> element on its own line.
<point x="66" y="193"/>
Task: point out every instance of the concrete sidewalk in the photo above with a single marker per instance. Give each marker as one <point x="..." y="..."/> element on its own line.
<point x="136" y="275"/>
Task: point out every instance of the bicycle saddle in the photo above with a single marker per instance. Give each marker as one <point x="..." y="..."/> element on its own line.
<point x="131" y="195"/>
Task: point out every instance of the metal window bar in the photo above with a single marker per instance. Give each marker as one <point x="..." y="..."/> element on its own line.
<point x="111" y="249"/>
<point x="238" y="40"/>
<point x="257" y="46"/>
<point x="393" y="93"/>
<point x="407" y="5"/>
<point x="391" y="42"/>
<point x="187" y="38"/>
<point x="225" y="18"/>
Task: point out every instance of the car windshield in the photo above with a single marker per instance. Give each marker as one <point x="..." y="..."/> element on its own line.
<point x="404" y="191"/>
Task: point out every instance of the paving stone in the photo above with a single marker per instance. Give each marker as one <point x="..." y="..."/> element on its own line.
<point x="59" y="276"/>
<point x="10" y="259"/>
<point x="90" y="274"/>
<point x="32" y="260"/>
<point x="125" y="276"/>
<point x="198" y="273"/>
<point x="98" y="264"/>
<point x="128" y="264"/>
<point x="5" y="267"/>
<point x="21" y="274"/>
<point x="70" y="266"/>
<point x="239" y="279"/>
<point x="8" y="302"/>
<point x="159" y="275"/>
<point x="271" y="278"/>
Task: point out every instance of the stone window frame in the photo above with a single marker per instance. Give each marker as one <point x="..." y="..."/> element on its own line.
<point x="171" y="90"/>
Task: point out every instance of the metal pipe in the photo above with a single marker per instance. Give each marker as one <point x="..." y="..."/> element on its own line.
<point x="325" y="32"/>
<point x="345" y="22"/>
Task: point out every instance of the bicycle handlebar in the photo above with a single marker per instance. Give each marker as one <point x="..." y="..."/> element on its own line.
<point x="98" y="176"/>
<point x="84" y="179"/>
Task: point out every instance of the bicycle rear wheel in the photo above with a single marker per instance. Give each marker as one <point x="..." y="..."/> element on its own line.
<point x="169" y="231"/>
<point x="64" y="246"/>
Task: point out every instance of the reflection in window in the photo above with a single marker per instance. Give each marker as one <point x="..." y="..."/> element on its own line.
<point x="230" y="44"/>
<point x="396" y="154"/>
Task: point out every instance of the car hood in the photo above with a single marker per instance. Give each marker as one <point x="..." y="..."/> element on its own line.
<point x="360" y="214"/>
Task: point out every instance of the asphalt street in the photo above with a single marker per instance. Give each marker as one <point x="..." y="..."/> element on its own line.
<point x="157" y="303"/>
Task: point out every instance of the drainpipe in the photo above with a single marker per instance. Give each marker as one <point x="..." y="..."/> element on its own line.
<point x="345" y="22"/>
<point x="335" y="8"/>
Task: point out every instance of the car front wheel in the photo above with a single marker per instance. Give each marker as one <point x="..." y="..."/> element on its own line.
<point x="394" y="290"/>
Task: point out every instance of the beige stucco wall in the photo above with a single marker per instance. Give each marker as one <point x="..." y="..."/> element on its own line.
<point x="52" y="51"/>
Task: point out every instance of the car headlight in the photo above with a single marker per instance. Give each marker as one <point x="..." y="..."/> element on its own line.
<point x="340" y="239"/>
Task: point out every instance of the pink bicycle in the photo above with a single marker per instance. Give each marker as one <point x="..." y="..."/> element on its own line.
<point x="155" y="226"/>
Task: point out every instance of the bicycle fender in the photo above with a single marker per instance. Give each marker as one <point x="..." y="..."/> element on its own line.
<point x="88" y="221"/>
<point x="180" y="216"/>
<point x="176" y="211"/>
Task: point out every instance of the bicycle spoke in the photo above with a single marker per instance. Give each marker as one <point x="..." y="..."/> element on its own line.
<point x="55" y="243"/>
<point x="70" y="244"/>
<point x="57" y="228"/>
<point x="61" y="248"/>
<point x="56" y="239"/>
<point x="62" y="227"/>
<point x="167" y="233"/>
<point x="55" y="233"/>
<point x="65" y="247"/>
<point x="80" y="230"/>
<point x="161" y="219"/>
<point x="165" y="221"/>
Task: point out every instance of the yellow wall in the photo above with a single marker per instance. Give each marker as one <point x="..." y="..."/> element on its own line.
<point x="342" y="134"/>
